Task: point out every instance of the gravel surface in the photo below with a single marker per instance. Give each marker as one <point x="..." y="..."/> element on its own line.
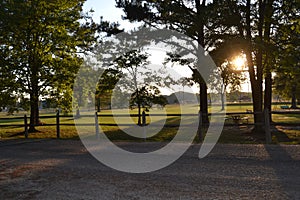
<point x="63" y="169"/>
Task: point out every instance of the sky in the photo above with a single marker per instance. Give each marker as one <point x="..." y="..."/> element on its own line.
<point x="107" y="9"/>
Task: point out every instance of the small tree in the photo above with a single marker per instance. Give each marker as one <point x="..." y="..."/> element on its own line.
<point x="230" y="78"/>
<point x="145" y="97"/>
<point x="133" y="63"/>
<point x="105" y="86"/>
<point x="286" y="84"/>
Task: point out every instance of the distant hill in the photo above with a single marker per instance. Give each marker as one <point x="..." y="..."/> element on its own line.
<point x="182" y="97"/>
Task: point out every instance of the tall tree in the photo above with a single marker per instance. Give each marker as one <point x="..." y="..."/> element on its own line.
<point x="184" y="16"/>
<point x="40" y="42"/>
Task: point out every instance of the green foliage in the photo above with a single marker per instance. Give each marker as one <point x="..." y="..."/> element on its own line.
<point x="287" y="69"/>
<point x="41" y="42"/>
<point x="105" y="87"/>
<point x="147" y="96"/>
<point x="84" y="85"/>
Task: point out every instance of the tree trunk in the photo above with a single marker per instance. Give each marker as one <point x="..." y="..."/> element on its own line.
<point x="222" y="101"/>
<point x="98" y="104"/>
<point x="34" y="111"/>
<point x="203" y="87"/>
<point x="256" y="87"/>
<point x="294" y="99"/>
<point x="223" y="93"/>
<point x="255" y="74"/>
<point x="257" y="108"/>
<point x="34" y="95"/>
<point x="268" y="94"/>
<point x="268" y="60"/>
<point x="139" y="114"/>
<point x="204" y="103"/>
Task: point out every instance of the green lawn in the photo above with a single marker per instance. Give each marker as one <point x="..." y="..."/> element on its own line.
<point x="231" y="134"/>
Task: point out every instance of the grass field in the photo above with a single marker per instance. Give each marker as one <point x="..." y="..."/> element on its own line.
<point x="230" y="134"/>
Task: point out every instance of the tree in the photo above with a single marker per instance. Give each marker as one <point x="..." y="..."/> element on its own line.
<point x="105" y="86"/>
<point x="185" y="16"/>
<point x="40" y="42"/>
<point x="230" y="77"/>
<point x="84" y="83"/>
<point x="286" y="84"/>
<point x="133" y="63"/>
<point x="8" y="99"/>
<point x="287" y="67"/>
<point x="145" y="97"/>
<point x="223" y="56"/>
<point x="287" y="76"/>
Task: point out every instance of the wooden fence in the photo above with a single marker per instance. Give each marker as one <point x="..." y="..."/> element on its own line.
<point x="238" y="118"/>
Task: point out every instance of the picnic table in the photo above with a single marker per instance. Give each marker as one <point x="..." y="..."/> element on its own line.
<point x="238" y="119"/>
<point x="284" y="107"/>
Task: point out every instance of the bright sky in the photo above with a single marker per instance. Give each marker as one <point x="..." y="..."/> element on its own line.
<point x="107" y="9"/>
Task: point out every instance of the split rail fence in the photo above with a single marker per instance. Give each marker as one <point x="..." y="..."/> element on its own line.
<point x="238" y="118"/>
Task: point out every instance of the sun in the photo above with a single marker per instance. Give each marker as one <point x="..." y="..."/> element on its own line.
<point x="239" y="62"/>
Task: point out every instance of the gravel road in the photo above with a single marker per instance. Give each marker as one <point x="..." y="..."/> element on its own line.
<point x="63" y="169"/>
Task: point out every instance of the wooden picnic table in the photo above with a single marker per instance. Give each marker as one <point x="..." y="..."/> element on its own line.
<point x="238" y="119"/>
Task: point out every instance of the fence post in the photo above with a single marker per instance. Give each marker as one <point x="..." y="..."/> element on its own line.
<point x="200" y="134"/>
<point x="144" y="124"/>
<point x="57" y="125"/>
<point x="25" y="126"/>
<point x="97" y="125"/>
<point x="267" y="126"/>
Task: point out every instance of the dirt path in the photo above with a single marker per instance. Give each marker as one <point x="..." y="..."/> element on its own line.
<point x="63" y="169"/>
